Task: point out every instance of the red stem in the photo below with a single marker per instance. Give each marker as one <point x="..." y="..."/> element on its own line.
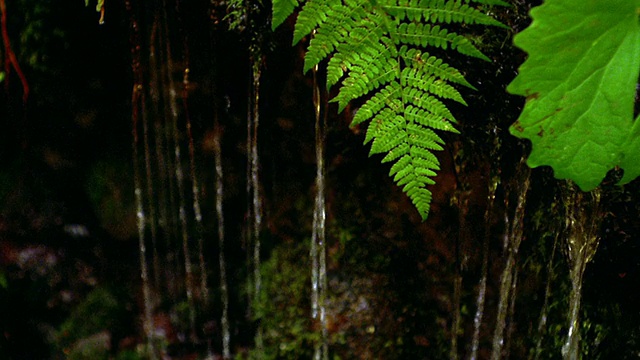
<point x="11" y="60"/>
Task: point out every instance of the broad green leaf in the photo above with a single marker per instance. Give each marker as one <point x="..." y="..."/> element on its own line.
<point x="580" y="83"/>
<point x="1" y="76"/>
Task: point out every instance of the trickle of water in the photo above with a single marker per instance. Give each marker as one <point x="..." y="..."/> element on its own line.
<point x="582" y="222"/>
<point x="318" y="238"/>
<point x="542" y="322"/>
<point x="461" y="198"/>
<point x="513" y="238"/>
<point x="204" y="289"/>
<point x="159" y="150"/>
<point x="179" y="174"/>
<point x="174" y="272"/>
<point x="256" y="205"/>
<point x="188" y="267"/>
<point x="224" y="292"/>
<point x="150" y="192"/>
<point x="512" y="311"/>
<point x="141" y="220"/>
<point x="482" y="285"/>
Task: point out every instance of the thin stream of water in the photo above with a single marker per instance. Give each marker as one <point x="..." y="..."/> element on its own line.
<point x="462" y="200"/>
<point x="195" y="190"/>
<point x="318" y="238"/>
<point x="513" y="238"/>
<point x="542" y="321"/>
<point x="256" y="202"/>
<point x="582" y="221"/>
<point x="188" y="266"/>
<point x="150" y="192"/>
<point x="159" y="149"/>
<point x="179" y="174"/>
<point x="511" y="312"/>
<point x="174" y="269"/>
<point x="248" y="228"/>
<point x="224" y="291"/>
<point x="482" y="284"/>
<point x="140" y="214"/>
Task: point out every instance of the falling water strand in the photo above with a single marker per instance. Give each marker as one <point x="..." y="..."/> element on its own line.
<point x="257" y="206"/>
<point x="182" y="213"/>
<point x="582" y="221"/>
<point x="457" y="293"/>
<point x="542" y="322"/>
<point x="224" y="292"/>
<point x="461" y="194"/>
<point x="135" y="102"/>
<point x="318" y="238"/>
<point x="248" y="233"/>
<point x="170" y="113"/>
<point x="482" y="285"/>
<point x="513" y="238"/>
<point x="154" y="91"/>
<point x="188" y="267"/>
<point x="144" y="275"/>
<point x="150" y="197"/>
<point x="204" y="288"/>
<point x="511" y="312"/>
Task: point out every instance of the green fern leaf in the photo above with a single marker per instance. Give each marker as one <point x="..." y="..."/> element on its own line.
<point x="281" y="9"/>
<point x="313" y="13"/>
<point x="415" y="79"/>
<point x="440" y="11"/>
<point x="433" y="65"/>
<point x="426" y="35"/>
<point x="376" y="49"/>
<point x="489" y="2"/>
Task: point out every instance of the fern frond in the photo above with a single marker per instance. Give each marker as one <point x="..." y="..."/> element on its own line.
<point x="377" y="49"/>
<point x="388" y="96"/>
<point x="335" y="30"/>
<point x="415" y="79"/>
<point x="366" y="46"/>
<point x="439" y="11"/>
<point x="433" y="65"/>
<point x="426" y="35"/>
<point x="361" y="81"/>
<point x="429" y="119"/>
<point x="313" y="13"/>
<point x="489" y="2"/>
<point x="281" y="9"/>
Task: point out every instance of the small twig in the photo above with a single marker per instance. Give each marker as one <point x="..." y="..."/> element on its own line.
<point x="11" y="60"/>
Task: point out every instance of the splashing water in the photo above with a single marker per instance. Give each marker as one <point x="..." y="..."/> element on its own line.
<point x="513" y="238"/>
<point x="582" y="222"/>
